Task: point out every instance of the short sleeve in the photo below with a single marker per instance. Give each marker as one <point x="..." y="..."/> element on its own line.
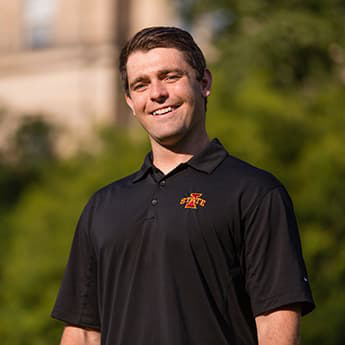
<point x="274" y="267"/>
<point x="77" y="301"/>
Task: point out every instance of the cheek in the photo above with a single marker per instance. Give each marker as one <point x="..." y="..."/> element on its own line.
<point x="186" y="92"/>
<point x="138" y="103"/>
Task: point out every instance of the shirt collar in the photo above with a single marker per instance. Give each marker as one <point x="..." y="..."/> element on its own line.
<point x="145" y="168"/>
<point x="206" y="161"/>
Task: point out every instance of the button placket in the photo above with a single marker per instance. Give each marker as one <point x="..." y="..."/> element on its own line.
<point x="154" y="200"/>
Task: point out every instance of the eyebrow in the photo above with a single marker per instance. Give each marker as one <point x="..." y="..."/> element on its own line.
<point x="137" y="80"/>
<point x="160" y="74"/>
<point x="175" y="70"/>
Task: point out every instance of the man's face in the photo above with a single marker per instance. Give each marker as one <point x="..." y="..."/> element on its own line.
<point x="165" y="95"/>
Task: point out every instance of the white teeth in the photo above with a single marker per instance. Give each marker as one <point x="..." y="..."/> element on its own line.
<point x="162" y="111"/>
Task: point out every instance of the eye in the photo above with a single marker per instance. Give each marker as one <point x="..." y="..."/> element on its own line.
<point x="139" y="86"/>
<point x="172" y="77"/>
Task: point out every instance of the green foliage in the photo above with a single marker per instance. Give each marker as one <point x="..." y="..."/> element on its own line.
<point x="29" y="150"/>
<point x="43" y="222"/>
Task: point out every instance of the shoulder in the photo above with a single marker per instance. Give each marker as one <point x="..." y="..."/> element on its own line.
<point x="114" y="190"/>
<point x="246" y="184"/>
<point x="243" y="175"/>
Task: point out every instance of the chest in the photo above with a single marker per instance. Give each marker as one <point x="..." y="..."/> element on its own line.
<point x="171" y="218"/>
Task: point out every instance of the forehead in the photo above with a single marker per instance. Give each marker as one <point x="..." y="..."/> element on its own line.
<point x="154" y="60"/>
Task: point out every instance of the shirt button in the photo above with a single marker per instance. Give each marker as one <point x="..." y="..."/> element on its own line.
<point x="154" y="202"/>
<point x="162" y="183"/>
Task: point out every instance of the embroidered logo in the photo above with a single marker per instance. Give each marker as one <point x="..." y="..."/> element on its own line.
<point x="193" y="201"/>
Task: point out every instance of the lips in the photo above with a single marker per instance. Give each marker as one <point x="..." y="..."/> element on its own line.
<point x="164" y="110"/>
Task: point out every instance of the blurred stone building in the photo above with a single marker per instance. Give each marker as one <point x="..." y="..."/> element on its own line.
<point x="59" y="57"/>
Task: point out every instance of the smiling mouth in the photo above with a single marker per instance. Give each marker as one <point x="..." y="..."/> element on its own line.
<point x="165" y="110"/>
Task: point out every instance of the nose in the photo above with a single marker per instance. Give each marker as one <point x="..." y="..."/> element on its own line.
<point x="158" y="92"/>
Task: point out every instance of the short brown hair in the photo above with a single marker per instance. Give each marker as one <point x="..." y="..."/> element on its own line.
<point x="162" y="37"/>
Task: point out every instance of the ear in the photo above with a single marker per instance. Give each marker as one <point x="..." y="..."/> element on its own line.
<point x="206" y="83"/>
<point x="130" y="103"/>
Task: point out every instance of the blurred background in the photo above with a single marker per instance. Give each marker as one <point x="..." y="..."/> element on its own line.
<point x="278" y="101"/>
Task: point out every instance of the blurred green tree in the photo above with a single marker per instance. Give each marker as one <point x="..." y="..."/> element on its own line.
<point x="28" y="151"/>
<point x="42" y="223"/>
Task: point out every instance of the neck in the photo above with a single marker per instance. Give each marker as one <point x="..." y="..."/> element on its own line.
<point x="166" y="158"/>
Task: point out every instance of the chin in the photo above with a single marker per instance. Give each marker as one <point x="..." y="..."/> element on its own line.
<point x="171" y="140"/>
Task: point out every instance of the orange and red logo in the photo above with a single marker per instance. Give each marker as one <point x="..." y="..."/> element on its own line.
<point x="193" y="201"/>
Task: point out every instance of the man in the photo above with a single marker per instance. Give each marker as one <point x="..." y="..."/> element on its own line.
<point x="197" y="247"/>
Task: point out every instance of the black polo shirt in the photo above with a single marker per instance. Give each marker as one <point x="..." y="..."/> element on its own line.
<point x="187" y="258"/>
